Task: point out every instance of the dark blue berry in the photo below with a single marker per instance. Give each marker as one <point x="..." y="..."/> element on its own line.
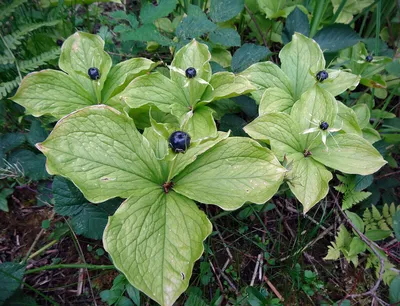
<point x="179" y="141"/>
<point x="369" y="58"/>
<point x="190" y="72"/>
<point x="59" y="42"/>
<point x="324" y="125"/>
<point x="94" y="73"/>
<point x="322" y="75"/>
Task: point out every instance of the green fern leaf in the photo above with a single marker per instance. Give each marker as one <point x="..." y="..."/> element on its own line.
<point x="375" y="213"/>
<point x="41" y="59"/>
<point x="7" y="87"/>
<point x="385" y="211"/>
<point x="352" y="198"/>
<point x="6" y="58"/>
<point x="6" y="10"/>
<point x="13" y="40"/>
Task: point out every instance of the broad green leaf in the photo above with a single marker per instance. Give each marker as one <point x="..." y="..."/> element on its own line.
<point x="123" y="73"/>
<point x="80" y="52"/>
<point x="347" y="119"/>
<point x="363" y="114"/>
<point x="47" y="3"/>
<point x="36" y="133"/>
<point x="200" y="124"/>
<point x="315" y="106"/>
<point x="280" y="129"/>
<point x="333" y="253"/>
<point x="223" y="10"/>
<point x="102" y="153"/>
<point x="297" y="21"/>
<point x="221" y="56"/>
<point x="247" y="55"/>
<point x="235" y="171"/>
<point x="194" y="151"/>
<point x="396" y="224"/>
<point x="32" y="165"/>
<point x="394" y="290"/>
<point x="335" y="37"/>
<point x="233" y="123"/>
<point x="53" y="93"/>
<point x="339" y="81"/>
<point x="11" y="274"/>
<point x="308" y="180"/>
<point x="275" y="100"/>
<point x="154" y="238"/>
<point x="377" y="234"/>
<point x="226" y="85"/>
<point x="272" y="8"/>
<point x="195" y="24"/>
<point x="4" y="194"/>
<point x="357" y="221"/>
<point x="349" y="153"/>
<point x="154" y="89"/>
<point x="227" y="37"/>
<point x="147" y="32"/>
<point x="357" y="246"/>
<point x="150" y="12"/>
<point x="350" y="8"/>
<point x="158" y="143"/>
<point x="194" y="55"/>
<point x="266" y="75"/>
<point x="301" y="59"/>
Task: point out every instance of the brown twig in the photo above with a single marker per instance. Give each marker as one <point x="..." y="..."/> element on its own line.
<point x="279" y="296"/>
<point x="226" y="248"/>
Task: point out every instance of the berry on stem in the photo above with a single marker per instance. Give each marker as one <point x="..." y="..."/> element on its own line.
<point x="369" y="58"/>
<point x="94" y="73"/>
<point x="190" y="72"/>
<point x="322" y="75"/>
<point x="179" y="141"/>
<point x="324" y="125"/>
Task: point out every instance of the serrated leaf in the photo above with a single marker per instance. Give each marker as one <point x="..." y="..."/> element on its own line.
<point x="174" y="228"/>
<point x="68" y="200"/>
<point x="33" y="165"/>
<point x="226" y="177"/>
<point x="101" y="151"/>
<point x="36" y="133"/>
<point x="11" y="275"/>
<point x="194" y="24"/>
<point x="351" y="154"/>
<point x="151" y="12"/>
<point x="354" y="197"/>
<point x="10" y="141"/>
<point x="80" y="52"/>
<point x="147" y="32"/>
<point x="357" y="246"/>
<point x="223" y="10"/>
<point x="266" y="75"/>
<point x="59" y="94"/>
<point x="336" y="37"/>
<point x="227" y="37"/>
<point x="333" y="254"/>
<point x="343" y="238"/>
<point x="297" y="21"/>
<point x="300" y="69"/>
<point x="123" y="73"/>
<point x="247" y="55"/>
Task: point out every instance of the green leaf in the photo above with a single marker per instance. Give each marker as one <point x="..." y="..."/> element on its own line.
<point x="308" y="180"/>
<point x="4" y="194"/>
<point x="394" y="290"/>
<point x="134" y="294"/>
<point x="47" y="3"/>
<point x="247" y="55"/>
<point x="233" y="123"/>
<point x="154" y="89"/>
<point x="123" y="73"/>
<point x="363" y="114"/>
<point x="234" y="171"/>
<point x="223" y="10"/>
<point x="335" y="37"/>
<point x="10" y="141"/>
<point x="226" y="85"/>
<point x="377" y="234"/>
<point x="68" y="200"/>
<point x="201" y="124"/>
<point x="227" y="37"/>
<point x="347" y="119"/>
<point x="350" y="8"/>
<point x="339" y="81"/>
<point x="101" y="151"/>
<point x="11" y="275"/>
<point x="280" y="129"/>
<point x="357" y="221"/>
<point x="195" y="24"/>
<point x="297" y="21"/>
<point x="275" y="100"/>
<point x="36" y="133"/>
<point x="357" y="246"/>
<point x="255" y="298"/>
<point x="59" y="94"/>
<point x="150" y="12"/>
<point x="154" y="239"/>
<point x="80" y="52"/>
<point x="301" y="59"/>
<point x="349" y="153"/>
<point x="396" y="224"/>
<point x="147" y="32"/>
<point x="333" y="253"/>
<point x="33" y="165"/>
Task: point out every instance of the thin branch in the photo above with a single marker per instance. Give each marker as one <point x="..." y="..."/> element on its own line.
<point x="256" y="24"/>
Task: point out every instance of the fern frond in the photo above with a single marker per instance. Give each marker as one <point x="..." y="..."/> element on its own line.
<point x="6" y="10"/>
<point x="7" y="87"/>
<point x="6" y="58"/>
<point x="13" y="40"/>
<point x="33" y="63"/>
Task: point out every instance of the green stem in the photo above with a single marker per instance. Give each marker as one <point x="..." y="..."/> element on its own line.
<point x="339" y="10"/>
<point x="171" y="169"/>
<point x="12" y="55"/>
<point x="71" y="266"/>
<point x="42" y="249"/>
<point x="378" y="26"/>
<point x="317" y="16"/>
<point x="387" y="101"/>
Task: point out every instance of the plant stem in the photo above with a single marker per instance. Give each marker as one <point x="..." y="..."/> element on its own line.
<point x="338" y="11"/>
<point x="71" y="266"/>
<point x="42" y="249"/>
<point x="317" y="16"/>
<point x="378" y="26"/>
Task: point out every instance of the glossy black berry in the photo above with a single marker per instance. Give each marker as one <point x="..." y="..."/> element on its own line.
<point x="322" y="75"/>
<point x="369" y="58"/>
<point x="179" y="141"/>
<point x="59" y="42"/>
<point x="190" y="72"/>
<point x="94" y="73"/>
<point x="324" y="125"/>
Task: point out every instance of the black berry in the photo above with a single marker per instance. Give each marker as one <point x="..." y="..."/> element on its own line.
<point x="94" y="73"/>
<point x="179" y="141"/>
<point x="190" y="72"/>
<point x="369" y="58"/>
<point x="322" y="75"/>
<point x="59" y="42"/>
<point x="324" y="125"/>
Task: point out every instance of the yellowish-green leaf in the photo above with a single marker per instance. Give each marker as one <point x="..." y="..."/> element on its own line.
<point x="275" y="100"/>
<point x="363" y="114"/>
<point x="339" y="81"/>
<point x="200" y="123"/>
<point x="347" y="119"/>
